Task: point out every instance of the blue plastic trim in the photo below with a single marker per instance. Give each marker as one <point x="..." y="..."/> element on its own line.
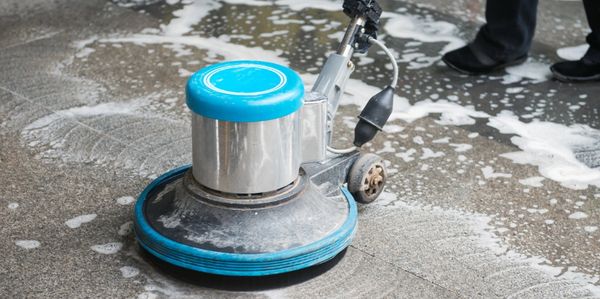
<point x="245" y="91"/>
<point x="233" y="264"/>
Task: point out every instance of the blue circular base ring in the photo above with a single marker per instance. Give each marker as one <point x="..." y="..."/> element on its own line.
<point x="235" y="264"/>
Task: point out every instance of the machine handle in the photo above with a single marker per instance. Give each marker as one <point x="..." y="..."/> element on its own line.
<point x="365" y="16"/>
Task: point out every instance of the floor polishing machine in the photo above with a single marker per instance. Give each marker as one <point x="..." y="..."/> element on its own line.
<point x="266" y="193"/>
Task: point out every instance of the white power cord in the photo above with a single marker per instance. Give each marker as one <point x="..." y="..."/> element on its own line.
<point x="392" y="59"/>
<point x="341" y="151"/>
<point x="393" y="85"/>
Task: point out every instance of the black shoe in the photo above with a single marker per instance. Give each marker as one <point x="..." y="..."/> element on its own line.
<point x="468" y="60"/>
<point x="576" y="71"/>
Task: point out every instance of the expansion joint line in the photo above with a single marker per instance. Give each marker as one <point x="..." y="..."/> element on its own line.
<point x="405" y="270"/>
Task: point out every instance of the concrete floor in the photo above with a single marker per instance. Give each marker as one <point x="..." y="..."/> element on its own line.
<point x="90" y="111"/>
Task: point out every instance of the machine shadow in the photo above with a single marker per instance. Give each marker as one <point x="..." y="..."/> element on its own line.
<point x="238" y="283"/>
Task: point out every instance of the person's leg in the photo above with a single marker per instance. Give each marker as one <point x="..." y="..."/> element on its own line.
<point x="504" y="40"/>
<point x="592" y="12"/>
<point x="588" y="67"/>
<point x="509" y="29"/>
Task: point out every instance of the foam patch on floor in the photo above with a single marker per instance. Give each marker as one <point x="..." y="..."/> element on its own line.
<point x="79" y="220"/>
<point x="572" y="53"/>
<point x="129" y="272"/>
<point x="423" y="30"/>
<point x="28" y="244"/>
<point x="108" y="248"/>
<point x="534" y="72"/>
<point x="125" y="200"/>
<point x="551" y="147"/>
<point x="214" y="46"/>
<point x="194" y="11"/>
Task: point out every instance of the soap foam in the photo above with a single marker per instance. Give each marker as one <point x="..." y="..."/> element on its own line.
<point x="125" y="200"/>
<point x="108" y="248"/>
<point x="536" y="72"/>
<point x="79" y="220"/>
<point x="572" y="53"/>
<point x="28" y="244"/>
<point x="128" y="271"/>
<point x="424" y="30"/>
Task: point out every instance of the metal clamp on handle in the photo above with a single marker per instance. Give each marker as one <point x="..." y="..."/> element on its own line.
<point x="365" y="16"/>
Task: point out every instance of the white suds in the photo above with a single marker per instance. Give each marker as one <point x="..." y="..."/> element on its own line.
<point x="488" y="173"/>
<point x="418" y="140"/>
<point x="125" y="228"/>
<point x="83" y="111"/>
<point x="328" y="5"/>
<point x="535" y="181"/>
<point x="537" y="211"/>
<point x="590" y="229"/>
<point x="125" y="200"/>
<point x="170" y="221"/>
<point x="108" y="248"/>
<point x="191" y="14"/>
<point x="461" y="147"/>
<point x="572" y="53"/>
<point x="184" y="73"/>
<point x="407" y="156"/>
<point x="13" y="205"/>
<point x="451" y="113"/>
<point x="84" y="52"/>
<point x="424" y="30"/>
<point x="128" y="271"/>
<point x="28" y="244"/>
<point x="386" y="198"/>
<point x="391" y="128"/>
<point x="514" y="89"/>
<point x="550" y="146"/>
<point x="387" y="148"/>
<point x="428" y="154"/>
<point x="215" y="46"/>
<point x="536" y="72"/>
<point x="442" y="140"/>
<point x="82" y="47"/>
<point x="578" y="215"/>
<point x="79" y="220"/>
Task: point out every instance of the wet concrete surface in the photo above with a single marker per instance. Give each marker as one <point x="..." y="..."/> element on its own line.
<point x="92" y="107"/>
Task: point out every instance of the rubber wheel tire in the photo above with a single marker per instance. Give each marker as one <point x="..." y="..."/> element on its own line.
<point x="367" y="177"/>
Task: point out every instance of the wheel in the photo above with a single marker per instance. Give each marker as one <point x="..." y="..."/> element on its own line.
<point x="366" y="178"/>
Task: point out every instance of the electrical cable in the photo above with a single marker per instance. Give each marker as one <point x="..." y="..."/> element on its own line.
<point x="392" y="59"/>
<point x="393" y="85"/>
<point x="341" y="151"/>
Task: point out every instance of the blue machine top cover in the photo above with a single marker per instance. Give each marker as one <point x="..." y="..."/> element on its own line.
<point x="245" y="91"/>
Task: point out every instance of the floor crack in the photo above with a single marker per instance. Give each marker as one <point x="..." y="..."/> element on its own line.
<point x="405" y="270"/>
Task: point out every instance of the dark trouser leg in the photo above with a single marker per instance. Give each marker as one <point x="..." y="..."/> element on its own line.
<point x="509" y="29"/>
<point x="592" y="11"/>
